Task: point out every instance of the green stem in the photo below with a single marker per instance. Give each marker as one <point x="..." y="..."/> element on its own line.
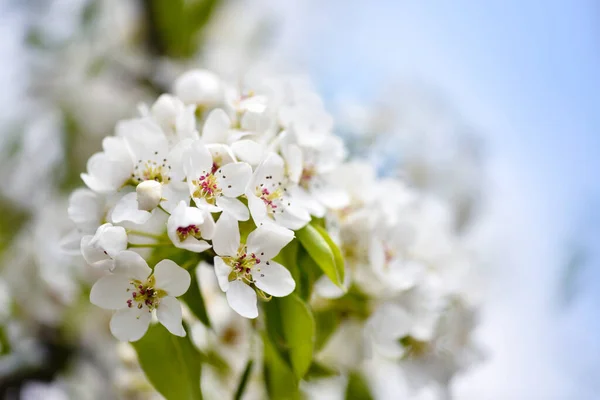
<point x="145" y="234"/>
<point x="161" y="207"/>
<point x="148" y="245"/>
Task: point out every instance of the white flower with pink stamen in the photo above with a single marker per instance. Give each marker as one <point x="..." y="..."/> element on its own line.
<point x="135" y="291"/>
<point x="215" y="187"/>
<point x="269" y="199"/>
<point x="241" y="268"/>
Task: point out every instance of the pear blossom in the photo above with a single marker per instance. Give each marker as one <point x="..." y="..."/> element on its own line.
<point x="135" y="291"/>
<point x="110" y="169"/>
<point x="242" y="136"/>
<point x="242" y="267"/>
<point x="268" y="198"/>
<point x="391" y="259"/>
<point x="216" y="187"/>
<point x="177" y="120"/>
<point x="100" y="249"/>
<point x="200" y="87"/>
<point x="86" y="209"/>
<point x="187" y="226"/>
<point x="311" y="169"/>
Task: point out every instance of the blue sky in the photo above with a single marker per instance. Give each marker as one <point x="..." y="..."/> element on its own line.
<point x="525" y="73"/>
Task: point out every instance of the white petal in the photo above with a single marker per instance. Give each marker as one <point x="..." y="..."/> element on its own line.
<point x="171" y="278"/>
<point x="130" y="324"/>
<point x="267" y="240"/>
<point x="127" y="210"/>
<point x="222" y="271"/>
<point x="207" y="229"/>
<point x="293" y="217"/>
<point x="149" y="193"/>
<point x="249" y="151"/>
<point x="216" y="127"/>
<point x="132" y="264"/>
<point x="198" y="161"/>
<point x="242" y="299"/>
<point x="293" y="158"/>
<point x="71" y="243"/>
<point x="269" y="173"/>
<point x="110" y="292"/>
<point x="226" y="239"/>
<point x="333" y="197"/>
<point x="111" y="239"/>
<point x="258" y="209"/>
<point x="193" y="244"/>
<point x="221" y="153"/>
<point x="105" y="175"/>
<point x="234" y="178"/>
<point x="93" y="255"/>
<point x="169" y="314"/>
<point x="273" y="279"/>
<point x="234" y="207"/>
<point x="305" y="200"/>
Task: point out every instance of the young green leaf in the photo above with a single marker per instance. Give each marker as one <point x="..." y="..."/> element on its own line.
<point x="299" y="332"/>
<point x="357" y="388"/>
<point x="337" y="253"/>
<point x="319" y="250"/>
<point x="171" y="363"/>
<point x="291" y="329"/>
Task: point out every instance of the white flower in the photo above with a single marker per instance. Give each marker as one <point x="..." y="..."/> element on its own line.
<point x="100" y="249"/>
<point x="155" y="161"/>
<point x="391" y="259"/>
<point x="216" y="187"/>
<point x="107" y="171"/>
<point x="187" y="225"/>
<point x="268" y="198"/>
<point x="239" y="265"/>
<point x="219" y="128"/>
<point x="135" y="291"/>
<point x="149" y="194"/>
<point x="86" y="210"/>
<point x="200" y="87"/>
<point x="175" y="118"/>
<point x="310" y="168"/>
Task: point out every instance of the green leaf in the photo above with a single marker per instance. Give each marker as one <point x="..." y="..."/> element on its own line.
<point x="320" y="371"/>
<point x="193" y="298"/>
<point x="337" y="253"/>
<point x="357" y="388"/>
<point x="291" y="327"/>
<point x="319" y="248"/>
<point x="4" y="341"/>
<point x="171" y="363"/>
<point x="280" y="381"/>
<point x="244" y="381"/>
<point x="299" y="332"/>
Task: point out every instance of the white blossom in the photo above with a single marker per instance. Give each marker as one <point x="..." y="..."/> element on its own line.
<point x="238" y="265"/>
<point x="101" y="249"/>
<point x="187" y="226"/>
<point x="135" y="291"/>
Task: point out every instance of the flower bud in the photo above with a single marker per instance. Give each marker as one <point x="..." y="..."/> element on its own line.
<point x="149" y="194"/>
<point x="200" y="87"/>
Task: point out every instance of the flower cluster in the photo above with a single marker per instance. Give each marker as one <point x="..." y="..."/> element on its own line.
<point x="227" y="176"/>
<point x="185" y="174"/>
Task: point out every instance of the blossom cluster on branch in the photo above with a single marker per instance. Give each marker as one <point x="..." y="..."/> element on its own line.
<point x="253" y="180"/>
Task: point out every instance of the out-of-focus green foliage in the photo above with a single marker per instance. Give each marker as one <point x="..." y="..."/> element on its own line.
<point x="174" y="27"/>
<point x="171" y="363"/>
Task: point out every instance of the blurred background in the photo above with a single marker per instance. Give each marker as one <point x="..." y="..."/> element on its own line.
<point x="492" y="105"/>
